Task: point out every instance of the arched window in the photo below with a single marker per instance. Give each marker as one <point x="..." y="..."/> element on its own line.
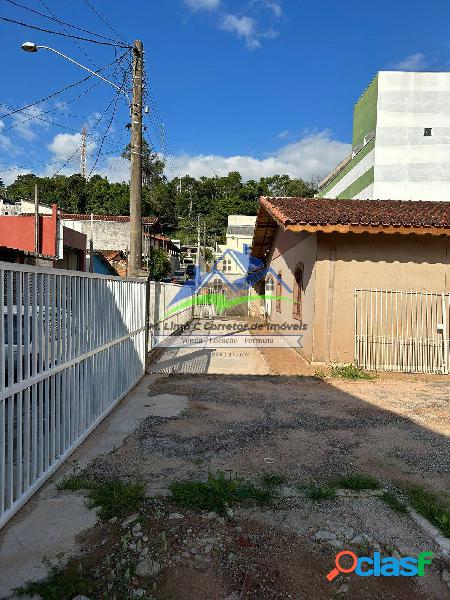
<point x="298" y="293"/>
<point x="269" y="290"/>
<point x="279" y="292"/>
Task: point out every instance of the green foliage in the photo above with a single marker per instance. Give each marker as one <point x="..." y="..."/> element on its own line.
<point x="176" y="203"/>
<point x="393" y="502"/>
<point x="272" y="480"/>
<point x="357" y="482"/>
<point x="351" y="371"/>
<point x="432" y="508"/>
<point x="318" y="493"/>
<point x="114" y="497"/>
<point x="61" y="584"/>
<point x="218" y="493"/>
<point x="158" y="264"/>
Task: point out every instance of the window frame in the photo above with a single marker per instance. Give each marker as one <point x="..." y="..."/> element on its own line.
<point x="298" y="292"/>
<point x="278" y="292"/>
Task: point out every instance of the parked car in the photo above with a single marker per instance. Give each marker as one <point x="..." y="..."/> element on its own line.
<point x="179" y="277"/>
<point x="190" y="271"/>
<point x="166" y="280"/>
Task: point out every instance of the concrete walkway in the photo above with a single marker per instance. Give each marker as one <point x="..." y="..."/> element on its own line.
<point x="225" y="360"/>
<point x="50" y="522"/>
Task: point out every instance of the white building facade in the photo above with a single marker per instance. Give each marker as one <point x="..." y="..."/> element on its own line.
<point x="401" y="141"/>
<point x="239" y="240"/>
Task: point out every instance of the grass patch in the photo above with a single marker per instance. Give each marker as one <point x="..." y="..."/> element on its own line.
<point x="318" y="493"/>
<point x="272" y="480"/>
<point x="352" y="372"/>
<point x="219" y="493"/>
<point x="59" y="585"/>
<point x="113" y="497"/>
<point x="430" y="507"/>
<point x="357" y="483"/>
<point x="393" y="502"/>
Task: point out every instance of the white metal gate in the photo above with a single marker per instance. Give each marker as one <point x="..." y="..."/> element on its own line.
<point x="407" y="331"/>
<point x="71" y="347"/>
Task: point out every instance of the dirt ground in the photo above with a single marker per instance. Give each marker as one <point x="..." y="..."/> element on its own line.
<point x="309" y="431"/>
<point x="256" y="415"/>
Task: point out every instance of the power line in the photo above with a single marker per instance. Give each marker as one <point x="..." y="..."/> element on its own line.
<point x="54" y="18"/>
<point x="68" y="35"/>
<point x="103" y="20"/>
<point x="52" y="95"/>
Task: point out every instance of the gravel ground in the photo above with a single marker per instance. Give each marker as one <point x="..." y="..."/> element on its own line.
<point x="309" y="431"/>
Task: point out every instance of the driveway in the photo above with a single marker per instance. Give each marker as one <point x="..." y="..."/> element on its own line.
<point x="200" y="413"/>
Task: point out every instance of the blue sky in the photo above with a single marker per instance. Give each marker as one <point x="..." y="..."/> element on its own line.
<point x="260" y="86"/>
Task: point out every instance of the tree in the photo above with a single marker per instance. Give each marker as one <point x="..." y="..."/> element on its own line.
<point x="152" y="165"/>
<point x="158" y="264"/>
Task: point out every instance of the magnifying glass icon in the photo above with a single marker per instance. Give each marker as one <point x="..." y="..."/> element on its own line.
<point x="339" y="568"/>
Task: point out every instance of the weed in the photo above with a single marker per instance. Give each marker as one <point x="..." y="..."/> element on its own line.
<point x="218" y="493"/>
<point x="319" y="493"/>
<point x="272" y="480"/>
<point x="357" y="482"/>
<point x="429" y="506"/>
<point x="114" y="497"/>
<point x="61" y="584"/>
<point x="321" y="374"/>
<point x="74" y="483"/>
<point x="393" y="502"/>
<point x="352" y="372"/>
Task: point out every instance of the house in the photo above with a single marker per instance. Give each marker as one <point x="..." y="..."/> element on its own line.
<point x="401" y="141"/>
<point x="41" y="240"/>
<point x="108" y="232"/>
<point x="239" y="240"/>
<point x="369" y="268"/>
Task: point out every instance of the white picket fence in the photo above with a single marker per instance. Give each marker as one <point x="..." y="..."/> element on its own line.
<point x="72" y="345"/>
<point x="400" y="330"/>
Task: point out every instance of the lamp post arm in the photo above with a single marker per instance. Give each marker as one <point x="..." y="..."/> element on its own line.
<point x="119" y="89"/>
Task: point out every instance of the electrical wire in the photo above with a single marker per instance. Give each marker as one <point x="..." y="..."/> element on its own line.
<point x="68" y="35"/>
<point x="54" y="18"/>
<point x="94" y="10"/>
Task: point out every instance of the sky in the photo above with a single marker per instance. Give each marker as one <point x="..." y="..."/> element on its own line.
<point x="257" y="86"/>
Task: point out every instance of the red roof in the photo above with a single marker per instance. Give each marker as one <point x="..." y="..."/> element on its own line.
<point x="371" y="213"/>
<point x="117" y="218"/>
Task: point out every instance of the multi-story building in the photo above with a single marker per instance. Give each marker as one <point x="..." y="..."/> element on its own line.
<point x="401" y="141"/>
<point x="239" y="241"/>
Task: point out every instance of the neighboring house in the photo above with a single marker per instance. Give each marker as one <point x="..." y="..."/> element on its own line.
<point x="325" y="250"/>
<point x="22" y="207"/>
<point x="239" y="240"/>
<point x="54" y="245"/>
<point x="401" y="141"/>
<point x="109" y="232"/>
<point x="160" y="241"/>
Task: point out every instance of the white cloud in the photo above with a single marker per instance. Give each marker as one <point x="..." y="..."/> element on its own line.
<point x="65" y="144"/>
<point x="276" y="8"/>
<point x="203" y="4"/>
<point x="28" y="119"/>
<point x="243" y="27"/>
<point x="313" y="155"/>
<point x="10" y="174"/>
<point x="413" y="62"/>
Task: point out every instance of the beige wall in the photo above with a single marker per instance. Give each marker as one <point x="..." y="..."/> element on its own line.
<point x="346" y="262"/>
<point x="288" y="251"/>
<point x="337" y="264"/>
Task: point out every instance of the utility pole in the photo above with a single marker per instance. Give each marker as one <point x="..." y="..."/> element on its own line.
<point x="197" y="270"/>
<point x="135" y="259"/>
<point x="83" y="160"/>
<point x="36" y="220"/>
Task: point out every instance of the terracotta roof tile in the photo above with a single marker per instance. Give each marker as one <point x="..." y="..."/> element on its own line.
<point x="118" y="218"/>
<point x="370" y="213"/>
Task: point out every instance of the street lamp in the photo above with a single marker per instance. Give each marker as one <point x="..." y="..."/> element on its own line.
<point x="135" y="259"/>
<point x="31" y="47"/>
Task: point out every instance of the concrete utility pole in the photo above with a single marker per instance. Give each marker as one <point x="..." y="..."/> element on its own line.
<point x="36" y="220"/>
<point x="135" y="258"/>
<point x="83" y="160"/>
